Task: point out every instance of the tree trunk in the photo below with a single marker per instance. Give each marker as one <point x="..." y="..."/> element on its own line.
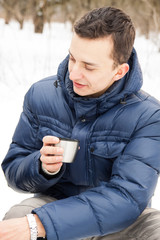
<point x="38" y="24"/>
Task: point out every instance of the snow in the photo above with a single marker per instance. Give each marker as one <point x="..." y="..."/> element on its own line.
<point x="26" y="57"/>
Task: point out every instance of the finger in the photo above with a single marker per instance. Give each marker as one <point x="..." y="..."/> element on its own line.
<point x="49" y="140"/>
<point x="50" y="150"/>
<point x="51" y="159"/>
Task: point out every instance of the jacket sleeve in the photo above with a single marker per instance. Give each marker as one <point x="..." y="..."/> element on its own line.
<point x="116" y="204"/>
<point x="21" y="165"/>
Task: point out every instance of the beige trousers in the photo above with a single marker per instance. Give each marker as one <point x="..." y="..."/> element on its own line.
<point x="146" y="227"/>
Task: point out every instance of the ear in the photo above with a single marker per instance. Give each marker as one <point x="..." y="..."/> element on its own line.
<point x="122" y="70"/>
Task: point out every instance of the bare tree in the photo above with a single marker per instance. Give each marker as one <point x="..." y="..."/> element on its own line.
<point x="145" y="13"/>
<point x="14" y="9"/>
<point x="41" y="11"/>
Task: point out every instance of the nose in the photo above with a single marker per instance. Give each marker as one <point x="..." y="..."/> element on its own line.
<point x="75" y="72"/>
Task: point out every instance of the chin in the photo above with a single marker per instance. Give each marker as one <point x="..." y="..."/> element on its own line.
<point x="80" y="93"/>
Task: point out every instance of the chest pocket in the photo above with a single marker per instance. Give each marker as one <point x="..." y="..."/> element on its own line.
<point x="107" y="149"/>
<point x="103" y="154"/>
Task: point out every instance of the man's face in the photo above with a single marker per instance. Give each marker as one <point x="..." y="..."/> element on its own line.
<point x="91" y="66"/>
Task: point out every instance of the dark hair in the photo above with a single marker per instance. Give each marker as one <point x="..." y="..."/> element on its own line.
<point x="109" y="21"/>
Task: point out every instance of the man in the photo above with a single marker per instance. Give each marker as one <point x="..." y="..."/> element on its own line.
<point x="95" y="98"/>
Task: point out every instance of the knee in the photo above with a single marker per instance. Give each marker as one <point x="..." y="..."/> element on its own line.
<point x="17" y="211"/>
<point x="151" y="224"/>
<point x="20" y="210"/>
<point x="26" y="206"/>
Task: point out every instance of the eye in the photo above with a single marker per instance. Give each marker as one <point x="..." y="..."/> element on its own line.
<point x="88" y="68"/>
<point x="71" y="59"/>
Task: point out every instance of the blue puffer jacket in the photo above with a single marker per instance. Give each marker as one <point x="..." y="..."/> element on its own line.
<point x="116" y="169"/>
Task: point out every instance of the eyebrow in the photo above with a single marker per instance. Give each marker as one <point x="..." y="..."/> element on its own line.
<point x="87" y="63"/>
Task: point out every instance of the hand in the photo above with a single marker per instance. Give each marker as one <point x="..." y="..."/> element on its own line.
<point x="51" y="156"/>
<point x="15" y="229"/>
<point x="18" y="229"/>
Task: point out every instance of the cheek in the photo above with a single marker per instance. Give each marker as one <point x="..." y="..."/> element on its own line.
<point x="97" y="81"/>
<point x="100" y="83"/>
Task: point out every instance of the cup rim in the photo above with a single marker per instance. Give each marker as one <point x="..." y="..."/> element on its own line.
<point x="69" y="139"/>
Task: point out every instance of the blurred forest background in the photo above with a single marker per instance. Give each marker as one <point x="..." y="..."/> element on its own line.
<point x="144" y="13"/>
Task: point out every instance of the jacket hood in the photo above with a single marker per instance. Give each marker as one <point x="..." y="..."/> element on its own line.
<point x="129" y="84"/>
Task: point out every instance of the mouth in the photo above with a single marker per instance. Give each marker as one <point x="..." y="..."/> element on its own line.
<point x="78" y="85"/>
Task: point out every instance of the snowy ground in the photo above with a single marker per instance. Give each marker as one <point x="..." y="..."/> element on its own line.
<point x="25" y="58"/>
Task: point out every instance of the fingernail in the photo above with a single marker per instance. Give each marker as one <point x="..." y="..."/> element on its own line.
<point x="55" y="139"/>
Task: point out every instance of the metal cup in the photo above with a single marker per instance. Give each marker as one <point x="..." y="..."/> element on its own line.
<point x="70" y="147"/>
